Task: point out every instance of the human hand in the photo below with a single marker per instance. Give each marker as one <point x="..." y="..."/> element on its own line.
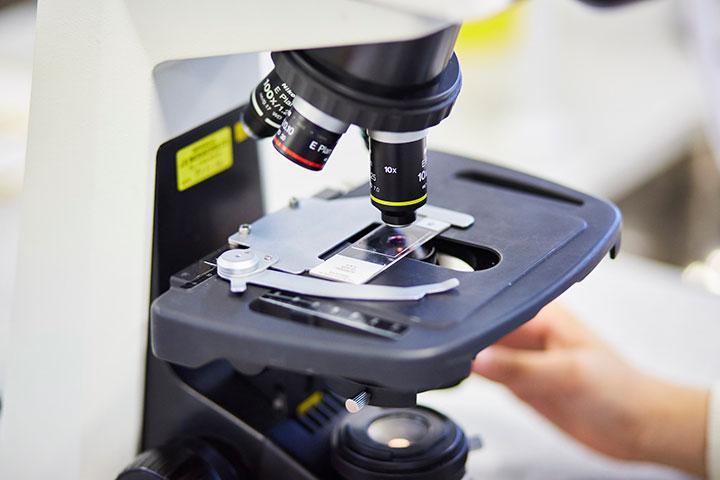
<point x="560" y="368"/>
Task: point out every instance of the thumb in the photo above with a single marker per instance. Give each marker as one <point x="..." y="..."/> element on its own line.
<point x="516" y="368"/>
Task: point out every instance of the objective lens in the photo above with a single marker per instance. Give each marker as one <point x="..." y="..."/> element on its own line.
<point x="398" y="175"/>
<point x="270" y="102"/>
<point x="308" y="136"/>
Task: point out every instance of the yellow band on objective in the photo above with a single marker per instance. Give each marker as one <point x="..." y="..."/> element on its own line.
<point x="398" y="204"/>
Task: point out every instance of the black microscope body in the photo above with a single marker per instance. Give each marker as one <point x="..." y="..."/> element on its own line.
<point x="259" y="384"/>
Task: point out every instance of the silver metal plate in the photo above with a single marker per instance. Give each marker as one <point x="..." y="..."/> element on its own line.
<point x="300" y="235"/>
<point x="456" y="219"/>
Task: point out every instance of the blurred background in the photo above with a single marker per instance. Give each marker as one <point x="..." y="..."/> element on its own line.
<point x="616" y="103"/>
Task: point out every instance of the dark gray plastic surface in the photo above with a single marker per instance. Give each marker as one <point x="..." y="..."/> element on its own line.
<point x="548" y="237"/>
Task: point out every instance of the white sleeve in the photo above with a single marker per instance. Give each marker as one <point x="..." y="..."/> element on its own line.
<point x="713" y="435"/>
<point x="702" y="16"/>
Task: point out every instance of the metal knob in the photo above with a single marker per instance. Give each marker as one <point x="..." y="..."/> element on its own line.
<point x="245" y="229"/>
<point x="237" y="262"/>
<point x="356" y="403"/>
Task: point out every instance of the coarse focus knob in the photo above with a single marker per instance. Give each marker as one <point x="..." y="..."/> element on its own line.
<point x="190" y="459"/>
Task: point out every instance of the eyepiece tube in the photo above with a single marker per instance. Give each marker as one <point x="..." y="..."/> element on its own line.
<point x="307" y="136"/>
<point x="398" y="174"/>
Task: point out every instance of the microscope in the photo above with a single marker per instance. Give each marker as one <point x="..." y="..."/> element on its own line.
<point x="284" y="345"/>
<point x="297" y="348"/>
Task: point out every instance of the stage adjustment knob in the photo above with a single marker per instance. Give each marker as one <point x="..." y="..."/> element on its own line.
<point x="358" y="402"/>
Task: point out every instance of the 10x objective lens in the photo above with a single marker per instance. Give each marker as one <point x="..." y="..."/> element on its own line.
<point x="398" y="175"/>
<point x="308" y="136"/>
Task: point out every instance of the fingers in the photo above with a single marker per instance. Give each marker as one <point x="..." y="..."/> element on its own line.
<point x="553" y="326"/>
<point x="504" y="365"/>
<point x="535" y="356"/>
<point x="536" y="333"/>
<point x="520" y="369"/>
<point x="564" y="329"/>
<point x="531" y="336"/>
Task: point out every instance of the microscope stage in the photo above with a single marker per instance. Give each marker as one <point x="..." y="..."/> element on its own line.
<point x="531" y="240"/>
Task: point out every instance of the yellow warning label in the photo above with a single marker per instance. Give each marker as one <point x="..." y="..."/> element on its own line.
<point x="205" y="158"/>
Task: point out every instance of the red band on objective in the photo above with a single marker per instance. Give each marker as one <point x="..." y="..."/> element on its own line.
<point x="295" y="156"/>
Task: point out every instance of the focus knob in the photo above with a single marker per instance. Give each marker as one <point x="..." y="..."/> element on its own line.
<point x="188" y="459"/>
